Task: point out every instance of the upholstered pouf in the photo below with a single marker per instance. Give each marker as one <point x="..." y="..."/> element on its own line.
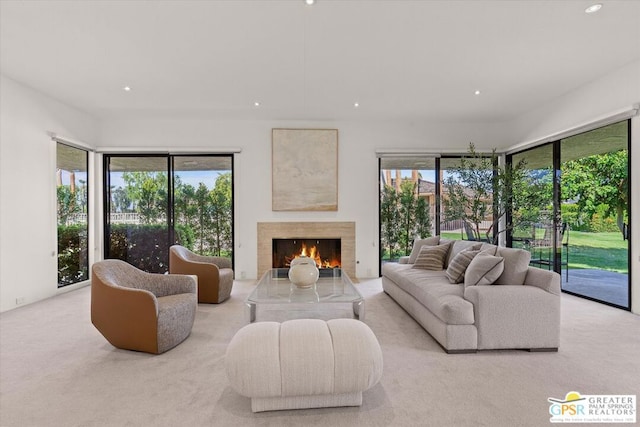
<point x="304" y="363"/>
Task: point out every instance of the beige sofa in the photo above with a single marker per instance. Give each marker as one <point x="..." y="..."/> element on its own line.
<point x="517" y="308"/>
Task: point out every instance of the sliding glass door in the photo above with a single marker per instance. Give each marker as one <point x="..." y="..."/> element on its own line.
<point x="595" y="206"/>
<point x="154" y="201"/>
<point x="532" y="214"/>
<point x="137" y="220"/>
<point x="203" y="203"/>
<point x="581" y="226"/>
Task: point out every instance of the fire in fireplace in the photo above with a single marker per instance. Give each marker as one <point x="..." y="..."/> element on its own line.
<point x="326" y="252"/>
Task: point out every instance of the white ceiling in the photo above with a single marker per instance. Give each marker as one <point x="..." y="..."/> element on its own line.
<point x="401" y="60"/>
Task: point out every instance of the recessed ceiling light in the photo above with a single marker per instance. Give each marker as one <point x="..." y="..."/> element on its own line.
<point x="593" y="8"/>
<point x="309" y="2"/>
<point x="477" y="92"/>
<point x="126" y="89"/>
<point x="256" y="104"/>
<point x="356" y="104"/>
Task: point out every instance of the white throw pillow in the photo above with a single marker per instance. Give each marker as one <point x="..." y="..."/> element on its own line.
<point x="483" y="270"/>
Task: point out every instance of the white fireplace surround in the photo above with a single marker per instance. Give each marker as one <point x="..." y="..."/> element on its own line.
<point x="345" y="231"/>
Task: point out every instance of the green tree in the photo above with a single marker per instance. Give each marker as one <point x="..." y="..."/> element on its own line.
<point x="469" y="190"/>
<point x="183" y="207"/>
<point x="407" y="213"/>
<point x="67" y="203"/>
<point x="532" y="198"/>
<point x="221" y="209"/>
<point x="423" y="218"/>
<point x="203" y="210"/>
<point x="389" y="230"/>
<point x="148" y="193"/>
<point x="403" y="216"/>
<point x="120" y="200"/>
<point x="598" y="181"/>
<point x="479" y="188"/>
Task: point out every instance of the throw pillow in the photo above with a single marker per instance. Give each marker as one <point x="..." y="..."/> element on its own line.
<point x="459" y="264"/>
<point x="516" y="264"/>
<point x="483" y="270"/>
<point x="432" y="257"/>
<point x="459" y="246"/>
<point x="419" y="243"/>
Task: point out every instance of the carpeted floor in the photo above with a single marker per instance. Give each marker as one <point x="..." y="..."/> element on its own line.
<point x="57" y="370"/>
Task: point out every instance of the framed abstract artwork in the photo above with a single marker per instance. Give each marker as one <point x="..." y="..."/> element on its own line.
<point x="304" y="169"/>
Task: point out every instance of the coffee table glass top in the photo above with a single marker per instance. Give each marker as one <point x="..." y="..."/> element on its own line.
<point x="333" y="287"/>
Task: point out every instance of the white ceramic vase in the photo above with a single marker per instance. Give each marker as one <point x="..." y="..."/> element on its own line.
<point x="303" y="272"/>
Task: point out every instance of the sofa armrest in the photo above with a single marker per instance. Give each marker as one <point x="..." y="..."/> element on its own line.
<point x="403" y="260"/>
<point x="515" y="316"/>
<point x="544" y="279"/>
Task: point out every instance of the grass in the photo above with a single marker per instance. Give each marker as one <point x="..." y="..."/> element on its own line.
<point x="599" y="251"/>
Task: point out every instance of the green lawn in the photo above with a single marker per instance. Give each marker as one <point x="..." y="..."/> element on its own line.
<point x="601" y="251"/>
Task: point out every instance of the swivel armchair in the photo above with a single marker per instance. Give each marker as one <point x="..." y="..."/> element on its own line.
<point x="215" y="276"/>
<point x="141" y="311"/>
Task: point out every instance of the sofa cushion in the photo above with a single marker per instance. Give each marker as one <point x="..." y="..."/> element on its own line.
<point x="516" y="263"/>
<point x="459" y="264"/>
<point x="489" y="248"/>
<point x="484" y="269"/>
<point x="433" y="290"/>
<point x="432" y="257"/>
<point x="419" y="243"/>
<point x="459" y="246"/>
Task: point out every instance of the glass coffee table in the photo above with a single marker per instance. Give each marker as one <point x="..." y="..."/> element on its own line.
<point x="275" y="291"/>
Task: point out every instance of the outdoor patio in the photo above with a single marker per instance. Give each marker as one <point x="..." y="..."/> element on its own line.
<point x="602" y="285"/>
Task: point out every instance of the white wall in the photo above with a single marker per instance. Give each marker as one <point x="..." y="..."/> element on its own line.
<point x="27" y="268"/>
<point x="357" y="174"/>
<point x="28" y="239"/>
<point x="611" y="93"/>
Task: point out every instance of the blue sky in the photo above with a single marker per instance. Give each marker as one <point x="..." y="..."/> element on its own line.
<point x="188" y="177"/>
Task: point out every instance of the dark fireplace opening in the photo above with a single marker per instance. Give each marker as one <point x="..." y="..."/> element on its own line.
<point x="326" y="252"/>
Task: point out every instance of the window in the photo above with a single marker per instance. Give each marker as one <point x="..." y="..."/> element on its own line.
<point x="154" y="201"/>
<point x="466" y="198"/>
<point x="72" y="213"/>
<point x="407" y="203"/>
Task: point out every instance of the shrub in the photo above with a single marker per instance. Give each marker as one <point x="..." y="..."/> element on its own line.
<point x="145" y="246"/>
<point x="73" y="264"/>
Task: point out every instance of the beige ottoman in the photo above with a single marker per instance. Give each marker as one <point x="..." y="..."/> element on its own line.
<point x="304" y="363"/>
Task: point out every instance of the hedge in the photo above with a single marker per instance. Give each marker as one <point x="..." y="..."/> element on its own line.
<point x="73" y="264"/>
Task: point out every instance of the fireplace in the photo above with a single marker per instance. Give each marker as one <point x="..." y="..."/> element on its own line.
<point x="344" y="232"/>
<point x="325" y="252"/>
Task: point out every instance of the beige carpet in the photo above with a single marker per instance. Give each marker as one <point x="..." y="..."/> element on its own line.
<point x="57" y="370"/>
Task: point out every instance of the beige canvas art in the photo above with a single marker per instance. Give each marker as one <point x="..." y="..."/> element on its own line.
<point x="305" y="169"/>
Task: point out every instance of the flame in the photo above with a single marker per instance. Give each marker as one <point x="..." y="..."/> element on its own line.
<point x="313" y="253"/>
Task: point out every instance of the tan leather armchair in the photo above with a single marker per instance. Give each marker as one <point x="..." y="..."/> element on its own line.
<point x="215" y="276"/>
<point x="141" y="311"/>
